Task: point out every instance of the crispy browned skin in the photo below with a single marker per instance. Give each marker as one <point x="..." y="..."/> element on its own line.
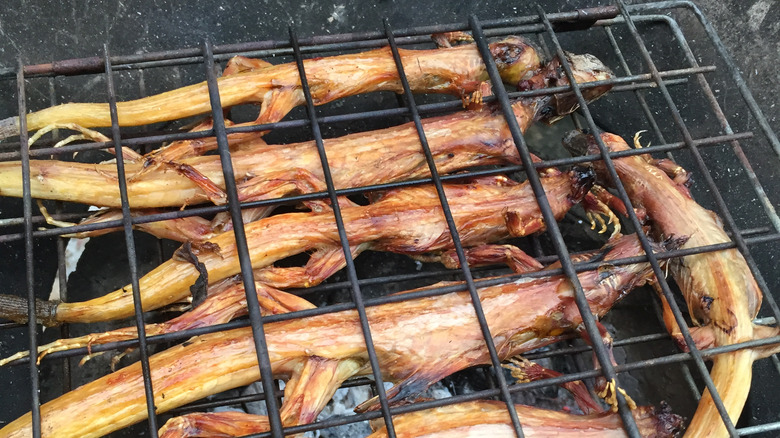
<point x="480" y="418"/>
<point x="522" y="315"/>
<point x="226" y="300"/>
<point x="456" y="70"/>
<point x="406" y="221"/>
<point x="226" y="424"/>
<point x="718" y="287"/>
<point x="177" y="175"/>
<point x="586" y="68"/>
<point x="272" y="170"/>
<point x="491" y="419"/>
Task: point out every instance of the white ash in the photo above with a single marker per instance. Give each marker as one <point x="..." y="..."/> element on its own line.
<point x="345" y="400"/>
<point x="342" y="404"/>
<point x="73" y="252"/>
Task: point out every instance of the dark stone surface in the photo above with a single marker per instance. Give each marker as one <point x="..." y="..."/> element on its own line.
<point x="42" y="31"/>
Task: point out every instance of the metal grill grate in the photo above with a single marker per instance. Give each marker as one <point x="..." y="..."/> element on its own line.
<point x="548" y="28"/>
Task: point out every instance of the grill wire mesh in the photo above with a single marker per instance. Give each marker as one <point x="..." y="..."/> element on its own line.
<point x="652" y="93"/>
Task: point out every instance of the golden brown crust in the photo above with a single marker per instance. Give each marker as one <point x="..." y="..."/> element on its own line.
<point x="718" y="287"/>
<point x="476" y="418"/>
<point x="355" y="160"/>
<point x="405" y="221"/>
<point x="214" y="424"/>
<point x="490" y="418"/>
<point x="521" y="314"/>
<point x="456" y="70"/>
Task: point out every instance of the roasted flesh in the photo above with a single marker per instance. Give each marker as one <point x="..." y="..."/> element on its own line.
<point x="585" y="67"/>
<point x="177" y="175"/>
<point x="455" y="70"/>
<point x="719" y="289"/>
<point x="267" y="171"/>
<point x="473" y="419"/>
<point x="406" y="221"/>
<point x="317" y="353"/>
<point x="491" y="419"/>
<point x="226" y="300"/>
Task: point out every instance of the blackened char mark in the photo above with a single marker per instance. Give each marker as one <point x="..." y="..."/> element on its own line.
<point x="199" y="289"/>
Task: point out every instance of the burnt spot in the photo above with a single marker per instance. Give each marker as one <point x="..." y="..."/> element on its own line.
<point x="673" y="242"/>
<point x="546" y="111"/>
<point x="667" y="423"/>
<point x="508" y="52"/>
<point x="535" y="82"/>
<point x="727" y="326"/>
<point x="514" y="223"/>
<point x="43" y="173"/>
<point x="199" y="248"/>
<point x="15" y="308"/>
<point x="706" y="302"/>
<point x="605" y="271"/>
<point x="186" y="253"/>
<point x="408" y="390"/>
<point x="583" y="178"/>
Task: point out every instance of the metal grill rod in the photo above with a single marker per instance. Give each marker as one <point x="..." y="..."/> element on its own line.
<point x="132" y="258"/>
<point x="758" y="429"/>
<point x="252" y="302"/>
<point x="723" y="120"/>
<point x="724" y="55"/>
<point x="722" y="207"/>
<point x="700" y="163"/>
<point x="622" y="194"/>
<point x="429" y="292"/>
<point x="660" y="137"/>
<point x="32" y="327"/>
<point x="344" y="41"/>
<point x="357" y="296"/>
<point x="640" y="97"/>
<point x="62" y="278"/>
<point x="588" y="319"/>
<point x="653" y="260"/>
<point x="625" y="83"/>
<point x="455" y="235"/>
<point x="726" y="215"/>
<point x="684" y="368"/>
<point x="290" y="200"/>
<point x="769" y="209"/>
<point x="738" y="151"/>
